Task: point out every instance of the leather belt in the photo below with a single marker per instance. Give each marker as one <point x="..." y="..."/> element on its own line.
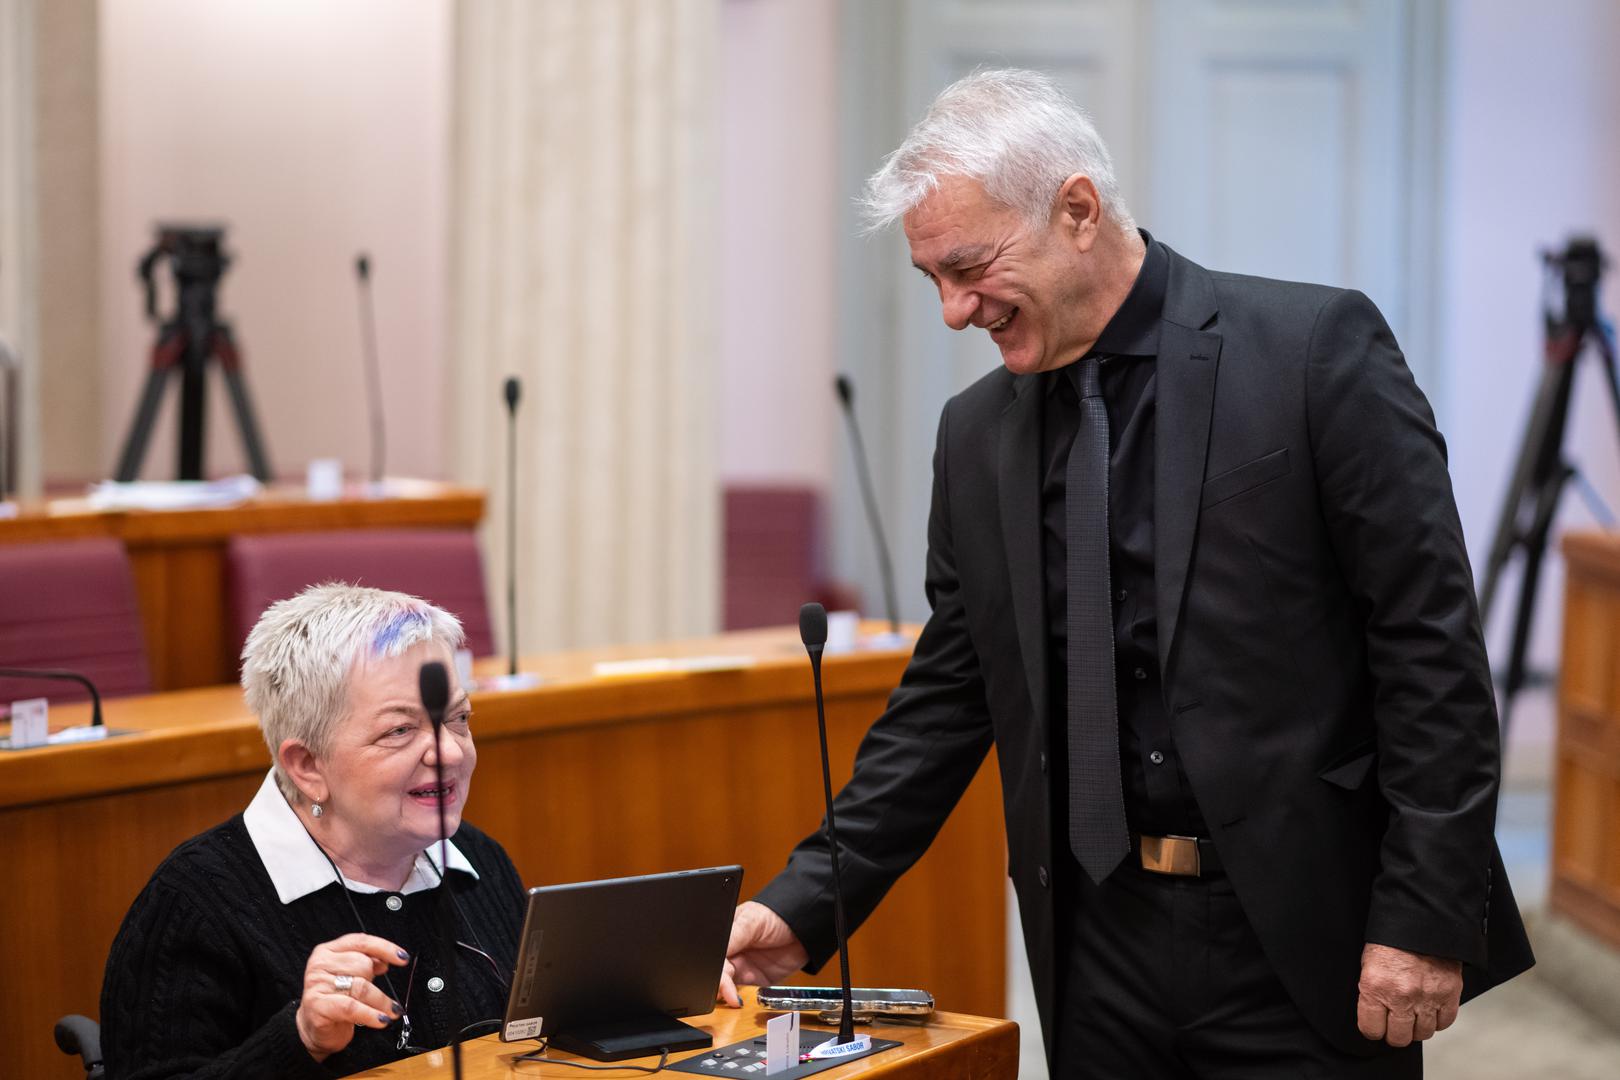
<point x="1180" y="856"/>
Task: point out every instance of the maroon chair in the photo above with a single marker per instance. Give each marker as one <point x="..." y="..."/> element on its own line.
<point x="441" y="566"/>
<point x="774" y="556"/>
<point x="70" y="604"/>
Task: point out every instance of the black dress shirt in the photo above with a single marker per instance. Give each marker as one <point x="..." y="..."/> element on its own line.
<point x="1158" y="799"/>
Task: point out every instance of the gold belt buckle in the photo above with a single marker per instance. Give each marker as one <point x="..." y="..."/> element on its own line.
<point x="1170" y="854"/>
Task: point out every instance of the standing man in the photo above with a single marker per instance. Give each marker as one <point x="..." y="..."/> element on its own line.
<point x="1196" y="571"/>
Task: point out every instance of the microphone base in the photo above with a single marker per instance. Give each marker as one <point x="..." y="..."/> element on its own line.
<point x="523" y="680"/>
<point x="637" y="1036"/>
<point x="752" y="1050"/>
<point x="886" y="640"/>
<point x="81" y="733"/>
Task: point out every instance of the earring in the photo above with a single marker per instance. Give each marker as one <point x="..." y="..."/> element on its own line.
<point x="317" y="809"/>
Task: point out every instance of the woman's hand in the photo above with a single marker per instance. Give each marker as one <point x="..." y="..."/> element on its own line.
<point x="327" y="1015"/>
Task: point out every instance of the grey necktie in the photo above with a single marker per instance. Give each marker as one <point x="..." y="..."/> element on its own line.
<point x="1098" y="834"/>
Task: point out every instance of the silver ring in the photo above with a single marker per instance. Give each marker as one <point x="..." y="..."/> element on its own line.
<point x="342" y="983"/>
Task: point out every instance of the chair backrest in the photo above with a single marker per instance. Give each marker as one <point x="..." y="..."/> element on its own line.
<point x="71" y="604"/>
<point x="441" y="566"/>
<point x="773" y="553"/>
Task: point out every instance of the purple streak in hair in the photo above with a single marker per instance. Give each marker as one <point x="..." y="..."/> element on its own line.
<point x="394" y="628"/>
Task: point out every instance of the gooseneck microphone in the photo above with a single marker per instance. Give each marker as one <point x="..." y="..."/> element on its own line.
<point x="63" y="676"/>
<point x="368" y="335"/>
<point x="813" y="632"/>
<point x="10" y="391"/>
<point x="433" y="683"/>
<point x="513" y="391"/>
<point x="863" y="469"/>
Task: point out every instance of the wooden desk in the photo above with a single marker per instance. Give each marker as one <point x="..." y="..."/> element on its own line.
<point x="178" y="557"/>
<point x="950" y="1046"/>
<point x="1586" y="812"/>
<point x="580" y="778"/>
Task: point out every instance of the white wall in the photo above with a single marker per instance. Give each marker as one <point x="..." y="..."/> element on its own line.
<point x="1532" y="155"/>
<point x="315" y="130"/>
<point x="779" y="235"/>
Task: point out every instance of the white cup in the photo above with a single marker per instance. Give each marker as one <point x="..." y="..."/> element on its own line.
<point x="843" y="630"/>
<point x="325" y="479"/>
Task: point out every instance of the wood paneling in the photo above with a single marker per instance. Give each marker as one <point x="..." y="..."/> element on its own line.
<point x="1586" y="819"/>
<point x="178" y="558"/>
<point x="949" y="1047"/>
<point x="579" y="778"/>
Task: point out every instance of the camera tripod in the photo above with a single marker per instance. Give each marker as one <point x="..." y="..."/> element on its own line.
<point x="1542" y="470"/>
<point x="185" y="344"/>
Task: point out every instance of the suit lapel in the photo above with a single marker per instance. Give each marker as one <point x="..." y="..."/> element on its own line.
<point x="1018" y="486"/>
<point x="1187" y="363"/>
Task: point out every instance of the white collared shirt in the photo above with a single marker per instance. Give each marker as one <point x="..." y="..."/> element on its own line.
<point x="296" y="864"/>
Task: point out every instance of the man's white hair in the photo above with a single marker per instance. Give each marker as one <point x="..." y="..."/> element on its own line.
<point x="298" y="659"/>
<point x="1014" y="132"/>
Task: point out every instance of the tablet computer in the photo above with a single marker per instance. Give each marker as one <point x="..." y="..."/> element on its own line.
<point x="601" y="963"/>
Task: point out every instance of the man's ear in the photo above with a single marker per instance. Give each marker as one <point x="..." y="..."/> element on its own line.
<point x="298" y="762"/>
<point x="1079" y="210"/>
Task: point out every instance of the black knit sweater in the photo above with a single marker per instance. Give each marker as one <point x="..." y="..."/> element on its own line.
<point x="206" y="973"/>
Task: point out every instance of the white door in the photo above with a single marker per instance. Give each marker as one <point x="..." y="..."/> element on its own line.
<point x="1287" y="138"/>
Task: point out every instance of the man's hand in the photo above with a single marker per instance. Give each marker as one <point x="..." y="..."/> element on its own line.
<point x="762" y="950"/>
<point x="1404" y="996"/>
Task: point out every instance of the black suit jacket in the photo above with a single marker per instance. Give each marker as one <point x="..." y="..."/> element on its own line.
<point x="1322" y="661"/>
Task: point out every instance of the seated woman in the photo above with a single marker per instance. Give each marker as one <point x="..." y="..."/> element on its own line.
<point x="301" y="937"/>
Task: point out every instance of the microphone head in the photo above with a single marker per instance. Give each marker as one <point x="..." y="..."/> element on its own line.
<point x="513" y="390"/>
<point x="362" y="265"/>
<point x="846" y="390"/>
<point x="813" y="626"/>
<point x="433" y="682"/>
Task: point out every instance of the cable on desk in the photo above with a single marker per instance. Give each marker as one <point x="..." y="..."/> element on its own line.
<point x="538" y="1055"/>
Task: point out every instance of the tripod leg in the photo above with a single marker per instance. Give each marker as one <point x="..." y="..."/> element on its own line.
<point x="231" y="361"/>
<point x="170" y="345"/>
<point x="193" y="410"/>
<point x="1535" y="551"/>
<point x="1606" y="352"/>
<point x="1538" y="457"/>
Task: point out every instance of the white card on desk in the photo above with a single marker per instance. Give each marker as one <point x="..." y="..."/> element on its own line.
<point x="781" y="1043"/>
<point x="29" y="726"/>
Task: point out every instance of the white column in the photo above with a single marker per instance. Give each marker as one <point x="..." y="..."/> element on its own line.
<point x="19" y="264"/>
<point x="583" y="254"/>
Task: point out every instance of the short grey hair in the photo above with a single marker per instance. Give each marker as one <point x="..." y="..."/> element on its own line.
<point x="298" y="659"/>
<point x="1013" y="131"/>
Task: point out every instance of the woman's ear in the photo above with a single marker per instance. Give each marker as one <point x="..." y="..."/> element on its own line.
<point x="298" y="762"/>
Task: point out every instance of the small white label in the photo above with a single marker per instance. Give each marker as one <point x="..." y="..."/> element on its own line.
<point x="860" y="1044"/>
<point x="781" y="1043"/>
<point x="522" y="1029"/>
<point x="29" y="726"/>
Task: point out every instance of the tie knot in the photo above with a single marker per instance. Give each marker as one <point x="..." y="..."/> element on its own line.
<point x="1091" y="376"/>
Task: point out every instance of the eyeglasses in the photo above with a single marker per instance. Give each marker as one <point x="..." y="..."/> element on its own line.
<point x="404" y="1042"/>
<point x="405" y="1006"/>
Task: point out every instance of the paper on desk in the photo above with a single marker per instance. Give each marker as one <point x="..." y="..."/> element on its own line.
<point x="172" y="494"/>
<point x="661" y="665"/>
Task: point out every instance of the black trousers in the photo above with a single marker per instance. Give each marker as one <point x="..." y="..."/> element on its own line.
<point x="1162" y="977"/>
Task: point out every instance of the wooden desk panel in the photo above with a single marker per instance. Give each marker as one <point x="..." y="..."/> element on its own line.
<point x="949" y="1047"/>
<point x="579" y="778"/>
<point x="1586" y="812"/>
<point x="178" y="558"/>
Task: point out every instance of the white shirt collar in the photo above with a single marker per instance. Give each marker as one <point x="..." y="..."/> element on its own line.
<point x="296" y="865"/>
